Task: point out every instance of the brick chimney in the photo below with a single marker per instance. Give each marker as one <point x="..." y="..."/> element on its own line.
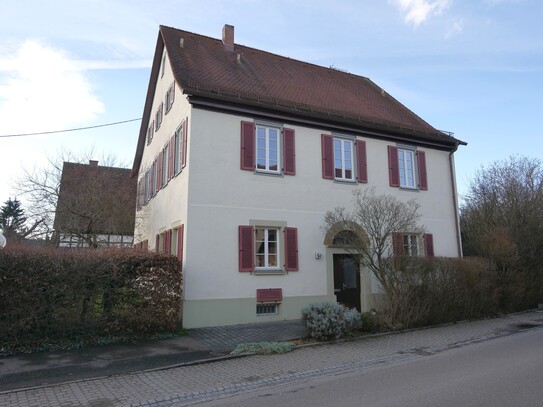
<point x="228" y="37"/>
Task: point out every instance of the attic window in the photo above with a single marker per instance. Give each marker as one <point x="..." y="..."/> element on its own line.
<point x="163" y="67"/>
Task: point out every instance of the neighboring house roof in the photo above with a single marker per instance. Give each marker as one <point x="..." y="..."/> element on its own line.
<point x="210" y="70"/>
<point x="96" y="200"/>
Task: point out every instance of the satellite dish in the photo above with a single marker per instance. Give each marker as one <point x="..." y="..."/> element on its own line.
<point x="3" y="241"/>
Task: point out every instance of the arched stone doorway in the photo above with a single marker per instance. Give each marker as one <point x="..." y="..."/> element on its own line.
<point x="351" y="285"/>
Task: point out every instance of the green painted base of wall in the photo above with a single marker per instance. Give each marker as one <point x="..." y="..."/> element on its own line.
<point x="205" y="313"/>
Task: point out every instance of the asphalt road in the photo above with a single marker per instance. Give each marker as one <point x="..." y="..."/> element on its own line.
<point x="506" y="371"/>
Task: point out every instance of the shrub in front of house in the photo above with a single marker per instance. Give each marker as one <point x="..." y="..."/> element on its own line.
<point x="327" y="320"/>
<point x="53" y="295"/>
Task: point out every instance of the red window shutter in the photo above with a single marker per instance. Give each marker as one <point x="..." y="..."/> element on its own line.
<point x="327" y="148"/>
<point x="247" y="146"/>
<point x="289" y="152"/>
<point x="397" y="243"/>
<point x="246" y="248"/>
<point x="159" y="172"/>
<point x="291" y="249"/>
<point x="393" y="167"/>
<point x="429" y="245"/>
<point x="157" y="243"/>
<point x="185" y="136"/>
<point x="146" y="244"/>
<point x="180" y="232"/>
<point x="423" y="179"/>
<point x="361" y="162"/>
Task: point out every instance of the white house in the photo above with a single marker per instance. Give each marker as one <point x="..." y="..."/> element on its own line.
<point x="240" y="154"/>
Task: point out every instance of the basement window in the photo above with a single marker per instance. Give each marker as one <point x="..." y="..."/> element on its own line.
<point x="267" y="309"/>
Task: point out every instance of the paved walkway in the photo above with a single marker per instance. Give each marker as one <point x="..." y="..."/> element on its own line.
<point x="226" y="338"/>
<point x="188" y="385"/>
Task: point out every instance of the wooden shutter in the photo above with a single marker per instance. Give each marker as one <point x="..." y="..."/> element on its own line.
<point x="146" y="244"/>
<point x="246" y="248"/>
<point x="393" y="167"/>
<point x="361" y="162"/>
<point x="429" y="245"/>
<point x="421" y="161"/>
<point x="159" y="171"/>
<point x="157" y="242"/>
<point x="185" y="137"/>
<point x="397" y="243"/>
<point x="247" y="161"/>
<point x="289" y="152"/>
<point x="327" y="149"/>
<point x="291" y="249"/>
<point x="180" y="231"/>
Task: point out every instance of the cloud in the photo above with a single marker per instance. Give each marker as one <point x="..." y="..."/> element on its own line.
<point x="42" y="89"/>
<point x="417" y="11"/>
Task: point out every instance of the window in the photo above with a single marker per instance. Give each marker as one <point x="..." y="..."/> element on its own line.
<point x="150" y="132"/>
<point x="344" y="159"/>
<point x="267" y="309"/>
<point x="407" y="168"/>
<point x="163" y="65"/>
<point x="180" y="142"/>
<point x="165" y="165"/>
<point x="267" y="148"/>
<point x="267" y="248"/>
<point x="410" y="245"/>
<point x="170" y="96"/>
<point x="263" y="248"/>
<point x="158" y="116"/>
<point x="413" y="244"/>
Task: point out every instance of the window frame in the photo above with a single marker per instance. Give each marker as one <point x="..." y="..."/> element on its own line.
<point x="159" y="115"/>
<point x="170" y="97"/>
<point x="411" y="244"/>
<point x="267" y="148"/>
<point x="165" y="164"/>
<point x="403" y="151"/>
<point x="178" y="149"/>
<point x="266" y="242"/>
<point x="343" y="141"/>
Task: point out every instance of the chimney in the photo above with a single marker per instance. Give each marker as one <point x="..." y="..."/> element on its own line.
<point x="93" y="163"/>
<point x="228" y="37"/>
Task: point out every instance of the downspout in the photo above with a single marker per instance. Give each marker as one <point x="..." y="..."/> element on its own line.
<point x="455" y="203"/>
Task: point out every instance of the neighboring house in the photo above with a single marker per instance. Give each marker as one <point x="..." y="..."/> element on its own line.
<point x="240" y="154"/>
<point x="95" y="206"/>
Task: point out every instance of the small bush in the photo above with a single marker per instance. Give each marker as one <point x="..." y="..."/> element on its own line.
<point x="330" y="320"/>
<point x="263" y="348"/>
<point x="369" y="321"/>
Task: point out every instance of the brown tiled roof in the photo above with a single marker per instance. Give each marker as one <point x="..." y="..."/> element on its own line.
<point x="96" y="199"/>
<point x="204" y="67"/>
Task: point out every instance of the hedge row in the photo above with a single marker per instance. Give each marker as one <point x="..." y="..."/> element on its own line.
<point x="438" y="290"/>
<point x="55" y="293"/>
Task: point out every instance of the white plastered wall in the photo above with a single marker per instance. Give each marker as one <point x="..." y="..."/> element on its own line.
<point x="222" y="197"/>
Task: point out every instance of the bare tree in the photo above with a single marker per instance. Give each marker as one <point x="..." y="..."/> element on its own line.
<point x="502" y="220"/>
<point x="370" y="227"/>
<point x="89" y="203"/>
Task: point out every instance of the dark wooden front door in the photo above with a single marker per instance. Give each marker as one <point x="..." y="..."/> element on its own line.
<point x="347" y="280"/>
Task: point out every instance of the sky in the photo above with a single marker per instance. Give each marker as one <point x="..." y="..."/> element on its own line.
<point x="471" y="67"/>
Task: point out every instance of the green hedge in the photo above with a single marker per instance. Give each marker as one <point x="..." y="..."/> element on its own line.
<point x="46" y="294"/>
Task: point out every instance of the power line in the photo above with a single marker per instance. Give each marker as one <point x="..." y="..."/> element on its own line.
<point x="67" y="130"/>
